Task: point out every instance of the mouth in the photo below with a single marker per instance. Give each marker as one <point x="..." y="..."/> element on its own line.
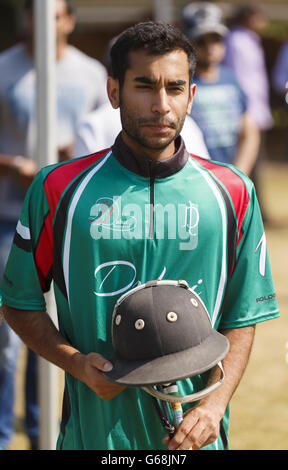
<point x="159" y="127"/>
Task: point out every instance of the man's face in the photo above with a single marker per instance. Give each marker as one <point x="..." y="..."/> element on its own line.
<point x="154" y="99"/>
<point x="210" y="49"/>
<point x="64" y="21"/>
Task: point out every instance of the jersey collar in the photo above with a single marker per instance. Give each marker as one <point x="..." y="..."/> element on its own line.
<point x="142" y="165"/>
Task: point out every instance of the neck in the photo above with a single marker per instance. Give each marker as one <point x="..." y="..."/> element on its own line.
<point x="146" y="167"/>
<point x="61" y="50"/>
<point x="152" y="154"/>
<point x="208" y="72"/>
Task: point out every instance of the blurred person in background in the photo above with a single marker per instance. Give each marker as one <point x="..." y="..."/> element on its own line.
<point x="81" y="87"/>
<point x="280" y="72"/>
<point x="245" y="55"/>
<point x="280" y="82"/>
<point x="219" y="107"/>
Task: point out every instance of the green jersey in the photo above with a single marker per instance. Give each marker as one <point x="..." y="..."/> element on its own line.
<point x="99" y="225"/>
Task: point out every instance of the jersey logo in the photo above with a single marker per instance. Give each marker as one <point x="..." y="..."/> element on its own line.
<point x="103" y="212"/>
<point x="118" y="276"/>
<point x="262" y="247"/>
<point x="118" y="273"/>
<point x="191" y="222"/>
<point x="107" y="215"/>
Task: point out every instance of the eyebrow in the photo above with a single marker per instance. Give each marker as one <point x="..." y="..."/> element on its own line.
<point x="151" y="81"/>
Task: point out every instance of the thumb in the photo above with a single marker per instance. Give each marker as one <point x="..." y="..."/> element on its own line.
<point x="100" y="362"/>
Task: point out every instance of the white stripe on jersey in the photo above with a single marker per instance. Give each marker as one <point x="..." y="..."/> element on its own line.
<point x="223" y="276"/>
<point x="23" y="231"/>
<point x="72" y="208"/>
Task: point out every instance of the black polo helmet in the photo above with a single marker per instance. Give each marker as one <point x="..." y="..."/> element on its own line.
<point x="161" y="333"/>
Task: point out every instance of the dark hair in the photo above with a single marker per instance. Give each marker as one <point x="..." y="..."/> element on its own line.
<point x="243" y="13"/>
<point x="29" y="5"/>
<point x="155" y="38"/>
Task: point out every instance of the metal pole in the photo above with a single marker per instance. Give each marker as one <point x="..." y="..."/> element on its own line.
<point x="45" y="55"/>
<point x="164" y="10"/>
<point x="45" y="48"/>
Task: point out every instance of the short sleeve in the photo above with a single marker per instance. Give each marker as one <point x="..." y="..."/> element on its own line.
<point x="28" y="271"/>
<point x="250" y="294"/>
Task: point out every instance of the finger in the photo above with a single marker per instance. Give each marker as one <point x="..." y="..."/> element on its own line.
<point x="183" y="432"/>
<point x="100" y="362"/>
<point x="195" y="438"/>
<point x="200" y="436"/>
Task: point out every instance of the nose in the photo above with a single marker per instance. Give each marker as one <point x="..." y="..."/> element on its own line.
<point x="160" y="104"/>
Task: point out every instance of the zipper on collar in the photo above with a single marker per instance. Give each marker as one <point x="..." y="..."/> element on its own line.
<point x="151" y="205"/>
<point x="142" y="166"/>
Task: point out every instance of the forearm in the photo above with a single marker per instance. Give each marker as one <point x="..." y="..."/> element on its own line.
<point x="201" y="424"/>
<point x="20" y="169"/>
<point x="37" y="330"/>
<point x="234" y="365"/>
<point x="248" y="147"/>
<point x="7" y="164"/>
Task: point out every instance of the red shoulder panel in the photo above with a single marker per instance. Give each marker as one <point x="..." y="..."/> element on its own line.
<point x="234" y="185"/>
<point x="54" y="185"/>
<point x="62" y="175"/>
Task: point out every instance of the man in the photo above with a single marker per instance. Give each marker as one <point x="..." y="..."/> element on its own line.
<point x="99" y="129"/>
<point x="142" y="210"/>
<point x="244" y="51"/>
<point x="81" y="87"/>
<point x="220" y="107"/>
<point x="280" y="72"/>
<point x="280" y="84"/>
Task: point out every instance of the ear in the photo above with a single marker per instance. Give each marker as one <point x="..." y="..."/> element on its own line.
<point x="191" y="98"/>
<point x="113" y="92"/>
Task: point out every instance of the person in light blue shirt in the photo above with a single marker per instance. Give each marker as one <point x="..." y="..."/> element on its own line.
<point x="218" y="111"/>
<point x="220" y="107"/>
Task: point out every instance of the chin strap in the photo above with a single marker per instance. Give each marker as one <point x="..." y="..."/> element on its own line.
<point x="162" y="409"/>
<point x="186" y="398"/>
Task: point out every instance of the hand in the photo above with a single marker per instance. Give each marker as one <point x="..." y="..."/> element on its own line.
<point x="65" y="153"/>
<point x="93" y="368"/>
<point x="199" y="428"/>
<point x="25" y="170"/>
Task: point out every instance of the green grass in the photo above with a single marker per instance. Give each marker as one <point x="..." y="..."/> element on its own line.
<point x="259" y="408"/>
